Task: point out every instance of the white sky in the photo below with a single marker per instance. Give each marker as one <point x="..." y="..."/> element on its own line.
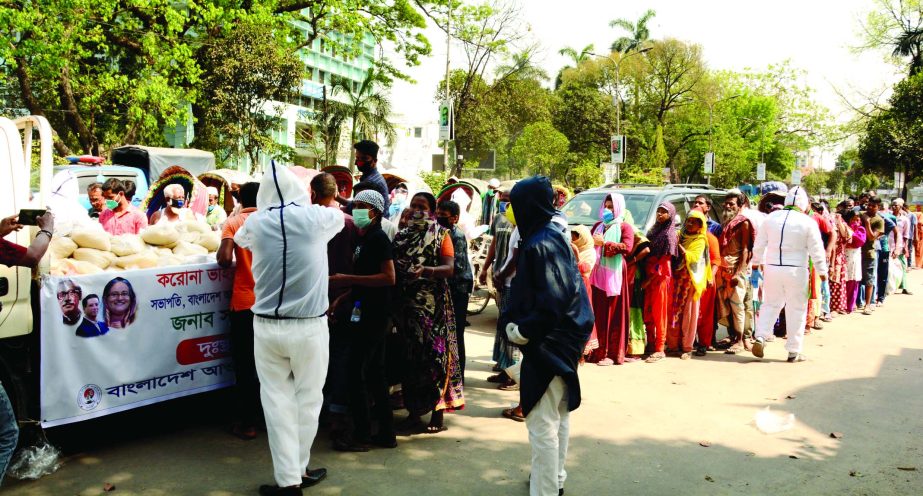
<point x="816" y="35"/>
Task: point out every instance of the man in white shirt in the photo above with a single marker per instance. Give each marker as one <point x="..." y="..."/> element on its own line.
<point x="288" y="239"/>
<point x="784" y="243"/>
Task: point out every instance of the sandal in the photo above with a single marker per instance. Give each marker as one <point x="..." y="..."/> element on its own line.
<point x="500" y="378"/>
<point x="245" y="433"/>
<point x="435" y="429"/>
<point x="605" y="362"/>
<point x="514" y="414"/>
<point x="655" y="357"/>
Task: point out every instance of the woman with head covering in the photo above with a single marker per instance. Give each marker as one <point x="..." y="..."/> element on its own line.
<point x="853" y="253"/>
<point x="369" y="297"/>
<point x="689" y="282"/>
<point x="637" y="334"/>
<point x="658" y="302"/>
<point x="424" y="259"/>
<point x="585" y="252"/>
<point x="613" y="238"/>
<point x="838" y="273"/>
<point x="705" y="329"/>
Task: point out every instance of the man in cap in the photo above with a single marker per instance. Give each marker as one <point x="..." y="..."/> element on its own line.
<point x="489" y="202"/>
<point x="550" y="319"/>
<point x="288" y="241"/>
<point x="785" y="243"/>
<point x="367" y="164"/>
<point x="216" y="214"/>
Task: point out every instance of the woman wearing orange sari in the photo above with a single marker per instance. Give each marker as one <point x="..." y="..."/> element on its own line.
<point x="658" y="290"/>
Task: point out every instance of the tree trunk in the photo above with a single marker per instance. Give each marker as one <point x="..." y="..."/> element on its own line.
<point x="32" y="103"/>
<point x="85" y="137"/>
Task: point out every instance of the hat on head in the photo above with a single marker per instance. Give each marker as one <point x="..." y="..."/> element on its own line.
<point x="212" y="191"/>
<point x="494" y="183"/>
<point x="371" y="197"/>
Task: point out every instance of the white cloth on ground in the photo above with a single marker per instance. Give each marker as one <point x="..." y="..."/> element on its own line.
<point x="549" y="427"/>
<point x="291" y="362"/>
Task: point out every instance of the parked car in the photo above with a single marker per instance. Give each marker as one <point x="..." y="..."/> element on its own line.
<point x="642" y="200"/>
<point x="89" y="174"/>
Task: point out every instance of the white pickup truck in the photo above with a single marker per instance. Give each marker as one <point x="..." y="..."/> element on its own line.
<point x="170" y="342"/>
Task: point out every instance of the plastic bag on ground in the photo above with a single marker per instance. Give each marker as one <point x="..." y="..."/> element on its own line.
<point x="36" y="461"/>
<point x="769" y="422"/>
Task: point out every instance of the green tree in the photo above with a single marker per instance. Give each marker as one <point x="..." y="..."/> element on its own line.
<point x="542" y="149"/>
<point x="638" y="32"/>
<point x="816" y="182"/>
<point x="586" y="117"/>
<point x="367" y="108"/>
<point x="897" y="25"/>
<point x="107" y="73"/>
<point x="246" y="67"/>
<point x="894" y="136"/>
<point x="576" y="58"/>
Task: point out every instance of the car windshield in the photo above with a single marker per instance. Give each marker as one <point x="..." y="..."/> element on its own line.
<point x="584" y="208"/>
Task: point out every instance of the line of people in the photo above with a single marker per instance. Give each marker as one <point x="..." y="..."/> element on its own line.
<point x="668" y="291"/>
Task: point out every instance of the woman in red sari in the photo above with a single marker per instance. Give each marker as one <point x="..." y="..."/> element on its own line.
<point x="658" y="290"/>
<point x="614" y="238"/>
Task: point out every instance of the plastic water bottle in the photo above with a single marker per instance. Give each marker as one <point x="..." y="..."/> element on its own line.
<point x="357" y="314"/>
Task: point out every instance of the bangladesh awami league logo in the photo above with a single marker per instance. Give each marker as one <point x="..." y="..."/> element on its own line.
<point x="89" y="397"/>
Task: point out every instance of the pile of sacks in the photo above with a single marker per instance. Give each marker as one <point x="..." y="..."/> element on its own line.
<point x="91" y="250"/>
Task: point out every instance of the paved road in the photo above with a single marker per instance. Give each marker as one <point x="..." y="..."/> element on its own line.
<point x="640" y="430"/>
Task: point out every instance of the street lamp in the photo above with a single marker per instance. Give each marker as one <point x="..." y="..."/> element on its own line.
<point x="711" y="115"/>
<point x="618" y="94"/>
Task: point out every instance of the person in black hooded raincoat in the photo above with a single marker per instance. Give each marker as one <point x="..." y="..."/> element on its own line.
<point x="550" y="319"/>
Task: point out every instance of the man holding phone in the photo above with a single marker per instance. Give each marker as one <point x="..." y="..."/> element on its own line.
<point x="12" y="254"/>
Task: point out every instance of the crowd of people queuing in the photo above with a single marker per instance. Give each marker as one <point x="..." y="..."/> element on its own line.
<point x="344" y="310"/>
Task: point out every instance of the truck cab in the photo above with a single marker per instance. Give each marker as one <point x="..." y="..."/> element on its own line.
<point x="18" y="344"/>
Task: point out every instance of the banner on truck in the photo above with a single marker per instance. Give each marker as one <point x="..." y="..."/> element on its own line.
<point x="114" y="341"/>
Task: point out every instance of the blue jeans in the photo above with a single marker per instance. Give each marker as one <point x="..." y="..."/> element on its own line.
<point x="825" y="296"/>
<point x="9" y="432"/>
<point x="884" y="261"/>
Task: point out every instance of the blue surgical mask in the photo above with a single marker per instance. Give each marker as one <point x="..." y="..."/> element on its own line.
<point x="503" y="206"/>
<point x="210" y="208"/>
<point x="361" y="218"/>
<point x="608" y="216"/>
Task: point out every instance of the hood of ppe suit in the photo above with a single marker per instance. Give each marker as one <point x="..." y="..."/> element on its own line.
<point x="279" y="188"/>
<point x="533" y="199"/>
<point x="797" y="197"/>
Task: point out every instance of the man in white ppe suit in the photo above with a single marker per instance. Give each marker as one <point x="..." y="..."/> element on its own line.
<point x="785" y="242"/>
<point x="288" y="239"/>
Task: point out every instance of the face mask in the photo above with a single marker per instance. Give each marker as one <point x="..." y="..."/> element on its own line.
<point x="210" y="208"/>
<point x="503" y="206"/>
<point x="363" y="166"/>
<point x="361" y="217"/>
<point x="111" y="204"/>
<point x="444" y="222"/>
<point x="608" y="216"/>
<point x="176" y="203"/>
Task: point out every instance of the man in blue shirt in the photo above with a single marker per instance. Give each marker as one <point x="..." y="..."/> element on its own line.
<point x="366" y="162"/>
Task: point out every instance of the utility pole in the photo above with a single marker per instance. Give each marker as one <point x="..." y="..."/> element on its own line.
<point x="448" y="49"/>
<point x="617" y="99"/>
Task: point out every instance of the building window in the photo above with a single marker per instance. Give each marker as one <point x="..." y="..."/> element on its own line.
<point x="418" y="132"/>
<point x="322" y="77"/>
